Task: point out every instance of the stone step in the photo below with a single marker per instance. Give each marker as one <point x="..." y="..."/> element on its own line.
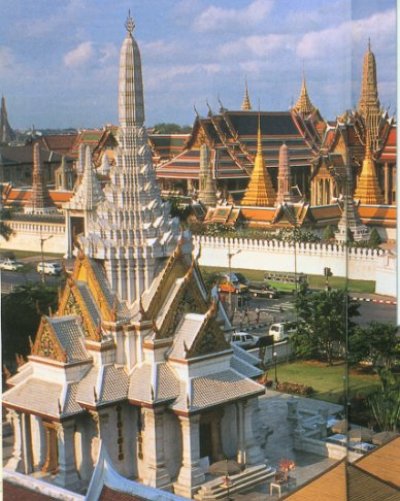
<point x="241" y="482"/>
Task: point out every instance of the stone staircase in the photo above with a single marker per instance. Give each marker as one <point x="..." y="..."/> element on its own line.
<point x="240" y="482"/>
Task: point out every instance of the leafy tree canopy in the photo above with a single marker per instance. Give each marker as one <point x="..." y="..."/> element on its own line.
<point x="321" y="322"/>
<point x="171" y="128"/>
<point x="20" y="316"/>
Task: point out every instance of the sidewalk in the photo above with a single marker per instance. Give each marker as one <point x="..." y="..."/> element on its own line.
<point x="373" y="298"/>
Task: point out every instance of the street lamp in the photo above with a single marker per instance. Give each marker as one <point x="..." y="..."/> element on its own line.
<point x="275" y="359"/>
<point x="42" y="241"/>
<point x="230" y="255"/>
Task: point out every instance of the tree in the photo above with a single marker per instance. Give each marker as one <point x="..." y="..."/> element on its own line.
<point x="385" y="403"/>
<point x="5" y="230"/>
<point x="20" y="316"/>
<point x="374" y="240"/>
<point x="328" y="234"/>
<point x="378" y="343"/>
<point x="321" y="322"/>
<point x="171" y="128"/>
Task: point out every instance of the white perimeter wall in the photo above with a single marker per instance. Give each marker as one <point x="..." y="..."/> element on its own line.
<point x="27" y="237"/>
<point x="363" y="264"/>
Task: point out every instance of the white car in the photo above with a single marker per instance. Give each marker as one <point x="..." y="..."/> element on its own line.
<point x="49" y="268"/>
<point x="244" y="340"/>
<point x="281" y="331"/>
<point x="11" y="265"/>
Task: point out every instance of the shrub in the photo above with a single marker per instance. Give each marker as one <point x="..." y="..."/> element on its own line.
<point x="295" y="389"/>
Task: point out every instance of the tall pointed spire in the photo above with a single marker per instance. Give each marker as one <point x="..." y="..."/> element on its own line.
<point x="260" y="191"/>
<point x="284" y="177"/>
<point x="369" y="101"/>
<point x="369" y="106"/>
<point x="40" y="202"/>
<point x="246" y="104"/>
<point x="131" y="230"/>
<point x="207" y="192"/>
<point x="368" y="190"/>
<point x="304" y="104"/>
<point x="6" y="133"/>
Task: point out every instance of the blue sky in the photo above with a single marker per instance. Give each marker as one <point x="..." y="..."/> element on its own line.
<point x="59" y="58"/>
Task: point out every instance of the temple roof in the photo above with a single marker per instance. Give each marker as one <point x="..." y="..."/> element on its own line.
<point x="304" y="104"/>
<point x="233" y="135"/>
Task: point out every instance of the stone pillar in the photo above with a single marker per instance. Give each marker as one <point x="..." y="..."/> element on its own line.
<point x="190" y="475"/>
<point x="386" y="184"/>
<point x="51" y="463"/>
<point x="68" y="233"/>
<point x="254" y="454"/>
<point x="67" y="475"/>
<point x="21" y="459"/>
<point x="155" y="472"/>
<point x="38" y="441"/>
<point x="241" y="452"/>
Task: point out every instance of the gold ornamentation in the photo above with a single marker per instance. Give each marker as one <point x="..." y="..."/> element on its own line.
<point x="47" y="345"/>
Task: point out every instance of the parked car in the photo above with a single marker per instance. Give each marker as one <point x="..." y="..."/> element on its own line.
<point x="244" y="340"/>
<point x="282" y="330"/>
<point x="49" y="268"/>
<point x="261" y="289"/>
<point x="11" y="265"/>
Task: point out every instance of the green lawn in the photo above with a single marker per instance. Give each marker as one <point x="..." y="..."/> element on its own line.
<point x="315" y="281"/>
<point x="326" y="380"/>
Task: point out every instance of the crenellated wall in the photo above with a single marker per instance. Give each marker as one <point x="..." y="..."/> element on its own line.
<point x="274" y="255"/>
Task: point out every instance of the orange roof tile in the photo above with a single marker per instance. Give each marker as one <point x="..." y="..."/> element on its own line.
<point x="384" y="462"/>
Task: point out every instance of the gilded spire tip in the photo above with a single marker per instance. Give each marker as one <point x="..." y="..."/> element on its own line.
<point x="129" y="24"/>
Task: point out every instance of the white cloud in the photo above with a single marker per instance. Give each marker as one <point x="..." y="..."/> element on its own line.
<point x="158" y="48"/>
<point x="217" y="18"/>
<point x="256" y="45"/>
<point x="79" y="56"/>
<point x="108" y="53"/>
<point x="328" y="42"/>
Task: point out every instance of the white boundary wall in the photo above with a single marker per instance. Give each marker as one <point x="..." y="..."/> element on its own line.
<point x="27" y="236"/>
<point x="280" y="256"/>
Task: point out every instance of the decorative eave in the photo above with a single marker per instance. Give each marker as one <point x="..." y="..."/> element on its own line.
<point x="47" y="345"/>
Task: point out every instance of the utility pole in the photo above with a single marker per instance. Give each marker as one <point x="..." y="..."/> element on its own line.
<point x="42" y="241"/>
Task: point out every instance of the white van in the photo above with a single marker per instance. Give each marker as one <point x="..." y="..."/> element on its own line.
<point x="49" y="268"/>
<point x="281" y="331"/>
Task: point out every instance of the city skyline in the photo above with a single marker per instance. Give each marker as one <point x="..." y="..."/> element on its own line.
<point x="192" y="53"/>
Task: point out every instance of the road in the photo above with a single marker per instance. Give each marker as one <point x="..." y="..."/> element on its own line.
<point x="12" y="279"/>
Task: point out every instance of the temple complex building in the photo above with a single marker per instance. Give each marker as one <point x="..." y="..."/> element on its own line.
<point x="134" y="366"/>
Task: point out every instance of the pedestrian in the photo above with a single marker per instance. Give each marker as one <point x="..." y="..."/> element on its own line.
<point x="246" y="315"/>
<point x="257" y="315"/>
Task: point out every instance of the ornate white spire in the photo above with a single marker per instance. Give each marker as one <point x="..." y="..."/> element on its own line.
<point x="132" y="229"/>
<point x="89" y="193"/>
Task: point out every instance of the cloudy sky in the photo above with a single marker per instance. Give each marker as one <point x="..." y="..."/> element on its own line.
<point x="59" y="58"/>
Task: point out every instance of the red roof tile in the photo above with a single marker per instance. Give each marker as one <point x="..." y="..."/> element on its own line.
<point x="12" y="492"/>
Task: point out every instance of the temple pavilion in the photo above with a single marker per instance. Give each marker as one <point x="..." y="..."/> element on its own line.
<point x="134" y="362"/>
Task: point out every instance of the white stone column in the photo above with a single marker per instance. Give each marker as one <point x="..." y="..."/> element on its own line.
<point x="38" y="441"/>
<point x="254" y="454"/>
<point x="155" y="472"/>
<point x="68" y="233"/>
<point x="190" y="475"/>
<point x="241" y="453"/>
<point x="67" y="475"/>
<point x="21" y="459"/>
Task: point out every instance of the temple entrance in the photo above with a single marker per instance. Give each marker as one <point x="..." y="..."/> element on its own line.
<point x="210" y="435"/>
<point x="205" y="440"/>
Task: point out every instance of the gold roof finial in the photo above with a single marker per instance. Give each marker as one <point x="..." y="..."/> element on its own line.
<point x="129" y="23"/>
<point x="260" y="191"/>
<point x="246" y="104"/>
<point x="304" y="104"/>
